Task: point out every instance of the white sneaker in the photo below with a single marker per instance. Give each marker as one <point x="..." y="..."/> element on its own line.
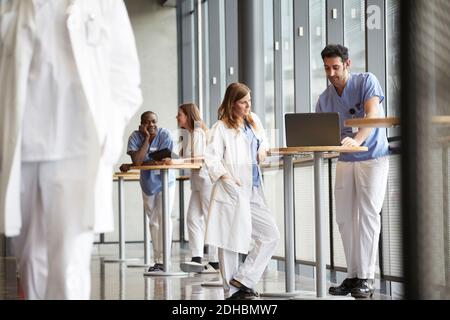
<point x="191" y="267"/>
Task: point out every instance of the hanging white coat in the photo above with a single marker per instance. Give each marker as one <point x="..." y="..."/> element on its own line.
<point x="105" y="55"/>
<point x="229" y="223"/>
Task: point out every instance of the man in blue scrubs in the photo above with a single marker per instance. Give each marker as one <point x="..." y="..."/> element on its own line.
<point x="361" y="178"/>
<point x="141" y="143"/>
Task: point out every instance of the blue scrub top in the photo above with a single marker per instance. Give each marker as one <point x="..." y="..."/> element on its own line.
<point x="151" y="179"/>
<point x="254" y="146"/>
<point x="359" y="88"/>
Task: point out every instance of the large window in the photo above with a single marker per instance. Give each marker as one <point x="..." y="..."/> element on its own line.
<point x="393" y="60"/>
<point x="355" y="33"/>
<point x="307" y="28"/>
<point x="317" y="14"/>
<point x="287" y="35"/>
<point x="205" y="56"/>
<point x="269" y="88"/>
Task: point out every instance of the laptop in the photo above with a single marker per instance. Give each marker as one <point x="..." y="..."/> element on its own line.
<point x="163" y="153"/>
<point x="312" y="129"/>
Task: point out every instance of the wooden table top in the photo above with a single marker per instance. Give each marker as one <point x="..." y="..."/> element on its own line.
<point x="389" y="122"/>
<point x="135" y="175"/>
<point x="129" y="175"/>
<point x="373" y="122"/>
<point x="440" y="120"/>
<point x="167" y="166"/>
<point x="296" y="150"/>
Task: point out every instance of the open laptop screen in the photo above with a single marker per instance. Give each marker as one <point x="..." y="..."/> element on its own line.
<point x="312" y="129"/>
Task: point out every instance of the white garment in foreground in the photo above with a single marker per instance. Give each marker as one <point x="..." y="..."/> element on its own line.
<point x="56" y="106"/>
<point x="265" y="235"/>
<point x="359" y="191"/>
<point x="103" y="47"/>
<point x="53" y="250"/>
<point x="153" y="209"/>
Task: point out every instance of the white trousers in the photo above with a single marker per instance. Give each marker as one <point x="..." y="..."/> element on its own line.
<point x="153" y="210"/>
<point x="196" y="216"/>
<point x="265" y="235"/>
<point x="53" y="250"/>
<point x="359" y="191"/>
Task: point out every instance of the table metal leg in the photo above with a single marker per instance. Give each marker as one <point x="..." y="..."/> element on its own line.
<point x="319" y="227"/>
<point x="147" y="289"/>
<point x="121" y="221"/>
<point x="102" y="279"/>
<point x="321" y="279"/>
<point x="181" y="203"/>
<point x="146" y="244"/>
<point x="167" y="241"/>
<point x="289" y="231"/>
<point x="289" y="227"/>
<point x="165" y="220"/>
<point x="122" y="236"/>
<point x="122" y="282"/>
<point x="146" y="239"/>
<point x="446" y="220"/>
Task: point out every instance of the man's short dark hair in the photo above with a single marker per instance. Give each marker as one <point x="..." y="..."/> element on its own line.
<point x="335" y="50"/>
<point x="148" y="113"/>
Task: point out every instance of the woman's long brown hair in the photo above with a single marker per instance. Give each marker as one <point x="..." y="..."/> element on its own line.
<point x="194" y="120"/>
<point x="235" y="91"/>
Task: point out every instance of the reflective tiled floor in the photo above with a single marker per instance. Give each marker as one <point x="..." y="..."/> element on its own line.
<point x="117" y="281"/>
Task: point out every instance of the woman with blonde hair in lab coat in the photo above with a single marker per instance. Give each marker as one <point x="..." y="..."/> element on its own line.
<point x="193" y="134"/>
<point x="239" y="219"/>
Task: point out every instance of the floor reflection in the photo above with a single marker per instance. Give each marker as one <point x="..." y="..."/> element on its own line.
<point x="117" y="281"/>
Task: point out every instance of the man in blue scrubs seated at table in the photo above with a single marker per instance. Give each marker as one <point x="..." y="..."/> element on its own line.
<point x="361" y="177"/>
<point x="141" y="143"/>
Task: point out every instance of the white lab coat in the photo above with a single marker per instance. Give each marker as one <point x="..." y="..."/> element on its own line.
<point x="201" y="187"/>
<point x="105" y="54"/>
<point x="229" y="224"/>
<point x="195" y="148"/>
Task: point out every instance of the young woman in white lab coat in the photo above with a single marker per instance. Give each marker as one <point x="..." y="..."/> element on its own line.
<point x="194" y="138"/>
<point x="239" y="220"/>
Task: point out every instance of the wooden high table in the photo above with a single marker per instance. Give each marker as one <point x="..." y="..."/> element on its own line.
<point x="387" y="122"/>
<point x="165" y="213"/>
<point x="288" y="170"/>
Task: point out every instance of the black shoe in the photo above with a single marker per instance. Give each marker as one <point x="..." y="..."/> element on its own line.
<point x="156" y="267"/>
<point x="215" y="265"/>
<point x="363" y="289"/>
<point x="196" y="259"/>
<point x="243" y="294"/>
<point x="344" y="288"/>
<point x="242" y="287"/>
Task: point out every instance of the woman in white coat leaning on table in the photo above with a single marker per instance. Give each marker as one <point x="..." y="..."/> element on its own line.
<point x="238" y="211"/>
<point x="194" y="133"/>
